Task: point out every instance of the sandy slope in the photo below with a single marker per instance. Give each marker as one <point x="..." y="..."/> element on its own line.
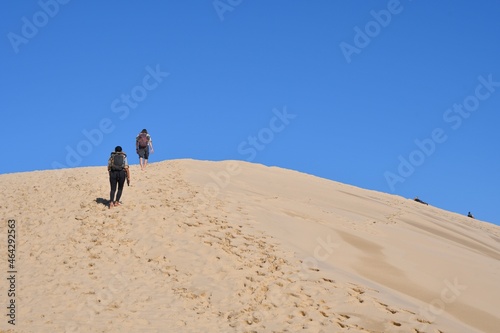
<point x="239" y="247"/>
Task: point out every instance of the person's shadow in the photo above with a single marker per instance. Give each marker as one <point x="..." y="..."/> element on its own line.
<point x="102" y="201"/>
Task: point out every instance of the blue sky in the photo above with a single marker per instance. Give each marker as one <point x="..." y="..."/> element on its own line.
<point x="401" y="97"/>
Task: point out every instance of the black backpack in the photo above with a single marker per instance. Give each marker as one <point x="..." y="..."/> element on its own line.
<point x="117" y="162"/>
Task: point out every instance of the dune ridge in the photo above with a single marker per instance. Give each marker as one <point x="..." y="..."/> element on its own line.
<point x="231" y="246"/>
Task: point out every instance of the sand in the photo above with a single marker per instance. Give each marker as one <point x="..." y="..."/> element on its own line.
<point x="231" y="246"/>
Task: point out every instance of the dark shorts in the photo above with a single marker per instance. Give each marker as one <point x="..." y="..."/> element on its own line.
<point x="143" y="153"/>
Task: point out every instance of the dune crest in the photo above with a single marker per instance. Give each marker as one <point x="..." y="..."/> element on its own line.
<point x="231" y="246"/>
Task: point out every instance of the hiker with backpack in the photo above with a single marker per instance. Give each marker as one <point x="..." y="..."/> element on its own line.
<point x="143" y="146"/>
<point x="118" y="171"/>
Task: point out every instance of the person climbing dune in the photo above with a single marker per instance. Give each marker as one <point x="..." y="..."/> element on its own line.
<point x="143" y="146"/>
<point x="118" y="172"/>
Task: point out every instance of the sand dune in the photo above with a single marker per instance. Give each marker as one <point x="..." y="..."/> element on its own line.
<point x="232" y="246"/>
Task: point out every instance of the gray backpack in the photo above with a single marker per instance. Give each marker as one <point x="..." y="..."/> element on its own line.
<point x="117" y="161"/>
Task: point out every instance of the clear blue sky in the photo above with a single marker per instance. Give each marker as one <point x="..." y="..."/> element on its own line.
<point x="401" y="97"/>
